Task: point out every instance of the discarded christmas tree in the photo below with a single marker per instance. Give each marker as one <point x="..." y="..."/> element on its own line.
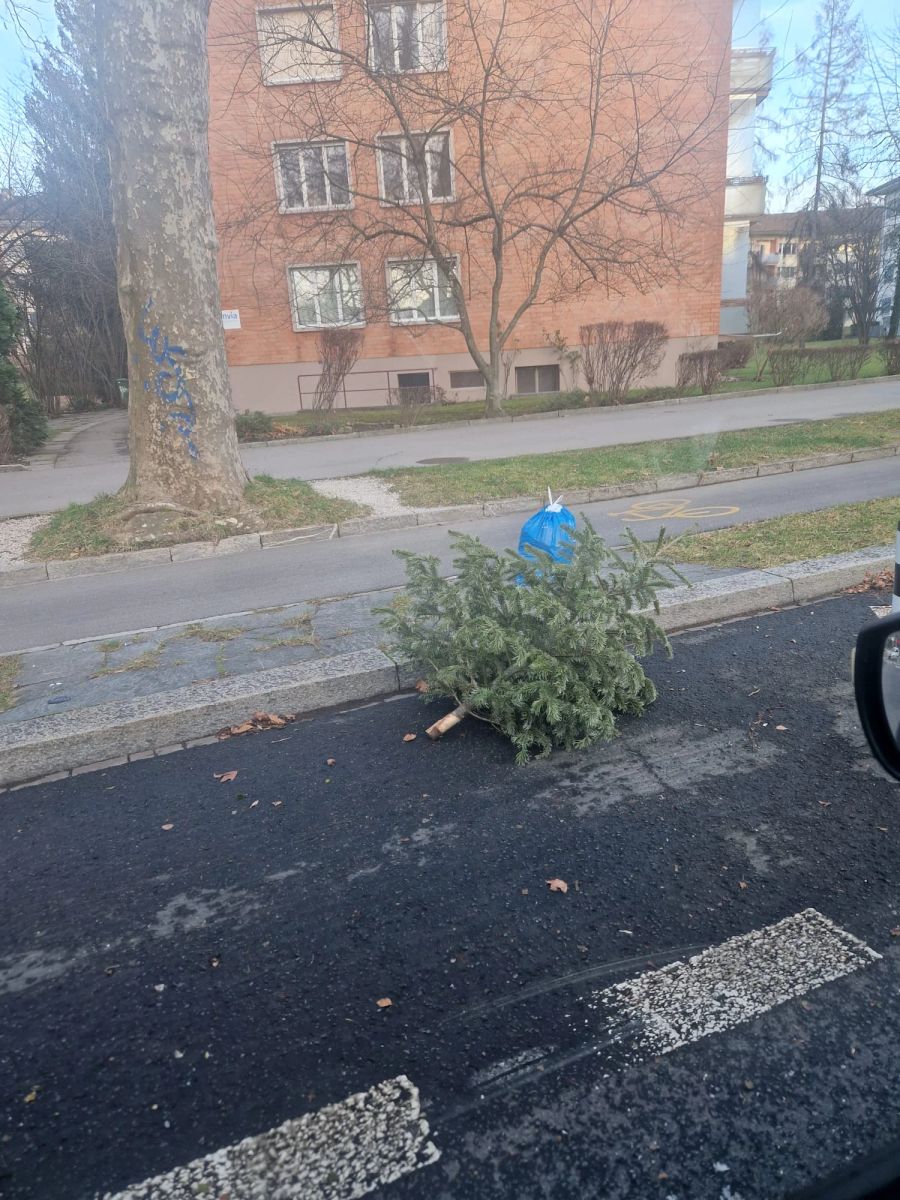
<point x="546" y="652"/>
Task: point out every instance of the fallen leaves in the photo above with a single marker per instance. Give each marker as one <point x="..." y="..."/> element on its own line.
<point x="168" y="827"/>
<point x="895" y="932"/>
<point x="781" y="728"/>
<point x="743" y="885"/>
<point x="226" y="776"/>
<point x="330" y="762"/>
<point x="31" y="1097"/>
<point x="421" y="686"/>
<point x="557" y="885"/>
<point x="259" y="722"/>
<point x="385" y="1003"/>
<point x="409" y="737"/>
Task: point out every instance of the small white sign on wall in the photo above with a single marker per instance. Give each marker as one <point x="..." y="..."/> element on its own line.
<point x="231" y="318"/>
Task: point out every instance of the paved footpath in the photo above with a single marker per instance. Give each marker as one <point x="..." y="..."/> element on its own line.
<point x="186" y="963"/>
<point x="48" y="612"/>
<point x="81" y="477"/>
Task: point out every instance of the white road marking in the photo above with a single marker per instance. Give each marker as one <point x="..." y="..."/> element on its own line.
<point x="347" y="1150"/>
<point x="341" y="1152"/>
<point x="730" y="984"/>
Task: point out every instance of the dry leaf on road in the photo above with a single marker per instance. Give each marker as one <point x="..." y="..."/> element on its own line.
<point x="409" y="737"/>
<point x="330" y="762"/>
<point x="31" y="1097"/>
<point x="557" y="885"/>
<point x="167" y="827"/>
<point x="781" y="728"/>
<point x="743" y="885"/>
<point x="895" y="932"/>
<point x="226" y="776"/>
<point x="384" y="1003"/>
<point x="421" y="685"/>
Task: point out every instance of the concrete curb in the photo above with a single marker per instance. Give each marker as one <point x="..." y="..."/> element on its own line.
<point x="103" y="564"/>
<point x="108" y="735"/>
<point x="562" y="413"/>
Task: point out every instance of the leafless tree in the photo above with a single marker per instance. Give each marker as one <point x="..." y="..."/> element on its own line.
<point x="565" y="148"/>
<point x="855" y="258"/>
<point x="338" y="351"/>
<point x="154" y="80"/>
<point x="617" y="354"/>
<point x="824" y="113"/>
<point x="791" y="315"/>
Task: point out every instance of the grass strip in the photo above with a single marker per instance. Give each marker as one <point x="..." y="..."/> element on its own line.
<point x="10" y="666"/>
<point x="96" y="527"/>
<point x="794" y="537"/>
<point x="531" y="474"/>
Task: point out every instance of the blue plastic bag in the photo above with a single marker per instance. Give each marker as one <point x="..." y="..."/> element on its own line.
<point x="548" y="530"/>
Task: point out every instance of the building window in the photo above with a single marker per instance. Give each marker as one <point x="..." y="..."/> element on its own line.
<point x="402" y="159"/>
<point x="420" y="291"/>
<point x="788" y="248"/>
<point x="297" y="45"/>
<point x="787" y="272"/>
<point x="466" y="379"/>
<point x="327" y="295"/>
<point x="407" y="35"/>
<point x="532" y="381"/>
<point x="313" y="176"/>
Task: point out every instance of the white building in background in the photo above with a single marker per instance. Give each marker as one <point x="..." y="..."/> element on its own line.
<point x="745" y="192"/>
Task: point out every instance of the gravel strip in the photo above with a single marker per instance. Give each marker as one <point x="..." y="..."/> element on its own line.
<point x="15" y="537"/>
<point x="375" y="493"/>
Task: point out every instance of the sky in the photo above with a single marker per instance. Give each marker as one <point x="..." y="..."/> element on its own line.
<point x="789" y="24"/>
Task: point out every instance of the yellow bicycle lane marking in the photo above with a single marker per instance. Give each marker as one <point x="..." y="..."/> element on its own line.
<point x="671" y="510"/>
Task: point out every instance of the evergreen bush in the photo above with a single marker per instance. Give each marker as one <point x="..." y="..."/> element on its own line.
<point x="545" y="652"/>
<point x="26" y="422"/>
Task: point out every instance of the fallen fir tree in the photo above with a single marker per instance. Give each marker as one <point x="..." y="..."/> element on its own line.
<point x="544" y="651"/>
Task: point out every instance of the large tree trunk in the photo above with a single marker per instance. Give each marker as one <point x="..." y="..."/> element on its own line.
<point x="154" y="78"/>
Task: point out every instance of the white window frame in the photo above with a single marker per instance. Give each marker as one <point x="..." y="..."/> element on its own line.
<point x="397" y="70"/>
<point x="326" y="73"/>
<point x="283" y="206"/>
<point x="295" y="316"/>
<point x="436" y="320"/>
<point x="406" y="167"/>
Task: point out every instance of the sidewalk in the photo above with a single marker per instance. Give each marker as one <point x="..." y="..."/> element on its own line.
<point x="96" y="704"/>
<point x="128" y="666"/>
<point x="25" y="493"/>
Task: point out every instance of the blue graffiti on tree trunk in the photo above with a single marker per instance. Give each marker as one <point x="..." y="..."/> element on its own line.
<point x="169" y="384"/>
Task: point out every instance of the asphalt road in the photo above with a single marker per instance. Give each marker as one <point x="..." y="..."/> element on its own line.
<point x="185" y="963"/>
<point x="86" y="470"/>
<point x="43" y="613"/>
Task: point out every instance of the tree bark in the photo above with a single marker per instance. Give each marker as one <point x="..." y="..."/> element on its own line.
<point x="153" y="74"/>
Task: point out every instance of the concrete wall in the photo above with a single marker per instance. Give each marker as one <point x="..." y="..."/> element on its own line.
<point x="288" y="387"/>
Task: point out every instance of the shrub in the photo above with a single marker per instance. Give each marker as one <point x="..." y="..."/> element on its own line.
<point x="24" y="419"/>
<point x="735" y="354"/>
<point x="253" y="426"/>
<point x="890" y="352"/>
<point x="788" y="365"/>
<point x="338" y="351"/>
<point x="5" y="437"/>
<point x="841" y="362"/>
<point x="615" y="355"/>
<point x="701" y="369"/>
<point x="545" y="652"/>
<point x="795" y="315"/>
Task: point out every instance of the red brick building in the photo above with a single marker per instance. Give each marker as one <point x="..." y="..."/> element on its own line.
<point x="331" y="122"/>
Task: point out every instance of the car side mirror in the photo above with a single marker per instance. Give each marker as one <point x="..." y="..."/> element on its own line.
<point x="876" y="678"/>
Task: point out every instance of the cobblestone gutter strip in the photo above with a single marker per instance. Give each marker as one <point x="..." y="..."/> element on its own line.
<point x="106" y="563"/>
<point x="109" y="735"/>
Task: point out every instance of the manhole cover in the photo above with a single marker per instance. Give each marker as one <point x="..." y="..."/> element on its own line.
<point x="438" y="462"/>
